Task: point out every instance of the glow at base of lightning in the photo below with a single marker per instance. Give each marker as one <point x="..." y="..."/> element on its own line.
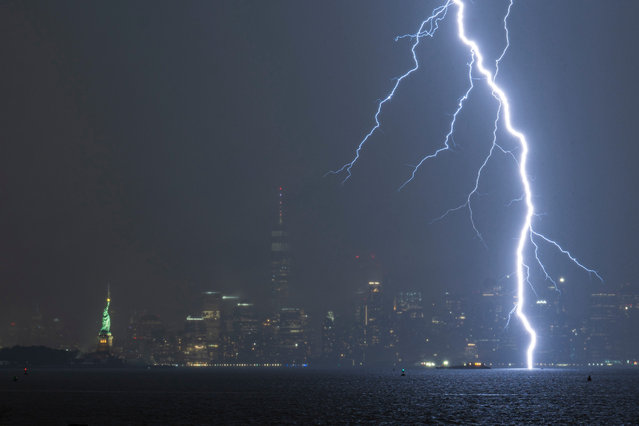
<point x="526" y="232"/>
<point x="522" y="275"/>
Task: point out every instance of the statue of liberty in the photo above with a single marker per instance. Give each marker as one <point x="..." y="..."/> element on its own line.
<point x="106" y="318"/>
<point x="105" y="338"/>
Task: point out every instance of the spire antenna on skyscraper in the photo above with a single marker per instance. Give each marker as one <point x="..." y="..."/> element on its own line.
<point x="281" y="207"/>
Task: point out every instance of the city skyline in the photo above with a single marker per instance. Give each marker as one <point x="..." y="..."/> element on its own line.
<point x="285" y="211"/>
<point x="382" y="328"/>
<point x="379" y="326"/>
<point x="145" y="147"/>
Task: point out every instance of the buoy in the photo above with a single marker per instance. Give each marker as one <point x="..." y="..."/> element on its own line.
<point x="589" y="378"/>
<point x="15" y="378"/>
<point x="403" y="372"/>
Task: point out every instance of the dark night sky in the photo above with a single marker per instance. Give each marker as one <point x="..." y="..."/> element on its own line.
<point x="142" y="144"/>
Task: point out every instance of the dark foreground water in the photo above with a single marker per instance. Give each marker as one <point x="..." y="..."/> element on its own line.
<point x="220" y="396"/>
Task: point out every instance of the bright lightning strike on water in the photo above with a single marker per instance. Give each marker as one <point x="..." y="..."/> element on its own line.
<point x="527" y="234"/>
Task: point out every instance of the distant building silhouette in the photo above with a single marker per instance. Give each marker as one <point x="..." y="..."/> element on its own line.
<point x="212" y="317"/>
<point x="603" y="320"/>
<point x="243" y="341"/>
<point x="371" y="333"/>
<point x="330" y="352"/>
<point x="408" y="332"/>
<point x="292" y="336"/>
<point x="629" y="321"/>
<point x="280" y="259"/>
<point x="148" y="340"/>
<point x="193" y="342"/>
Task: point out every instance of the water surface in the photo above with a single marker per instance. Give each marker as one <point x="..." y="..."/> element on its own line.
<point x="222" y="396"/>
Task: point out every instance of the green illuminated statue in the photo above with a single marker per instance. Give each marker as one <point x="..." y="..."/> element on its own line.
<point x="105" y="338"/>
<point x="106" y="318"/>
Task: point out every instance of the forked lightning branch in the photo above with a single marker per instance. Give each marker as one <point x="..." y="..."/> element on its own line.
<point x="528" y="239"/>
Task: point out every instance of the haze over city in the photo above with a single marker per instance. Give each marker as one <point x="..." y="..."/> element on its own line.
<point x="145" y="145"/>
<point x="250" y="212"/>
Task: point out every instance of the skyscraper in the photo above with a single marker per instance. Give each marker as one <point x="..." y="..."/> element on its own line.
<point x="148" y="340"/>
<point x="193" y="343"/>
<point x="244" y="342"/>
<point x="212" y="317"/>
<point x="105" y="338"/>
<point x="374" y="314"/>
<point x="280" y="259"/>
<point x="409" y="326"/>
<point x="292" y="336"/>
<point x="329" y="338"/>
<point x="603" y="322"/>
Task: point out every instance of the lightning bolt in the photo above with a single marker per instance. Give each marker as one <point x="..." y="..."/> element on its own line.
<point x="426" y="29"/>
<point x="527" y="234"/>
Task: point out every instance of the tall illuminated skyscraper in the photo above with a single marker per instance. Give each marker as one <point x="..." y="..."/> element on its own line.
<point x="292" y="337"/>
<point x="212" y="315"/>
<point x="374" y="315"/>
<point x="603" y="321"/>
<point x="280" y="259"/>
<point x="105" y="338"/>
